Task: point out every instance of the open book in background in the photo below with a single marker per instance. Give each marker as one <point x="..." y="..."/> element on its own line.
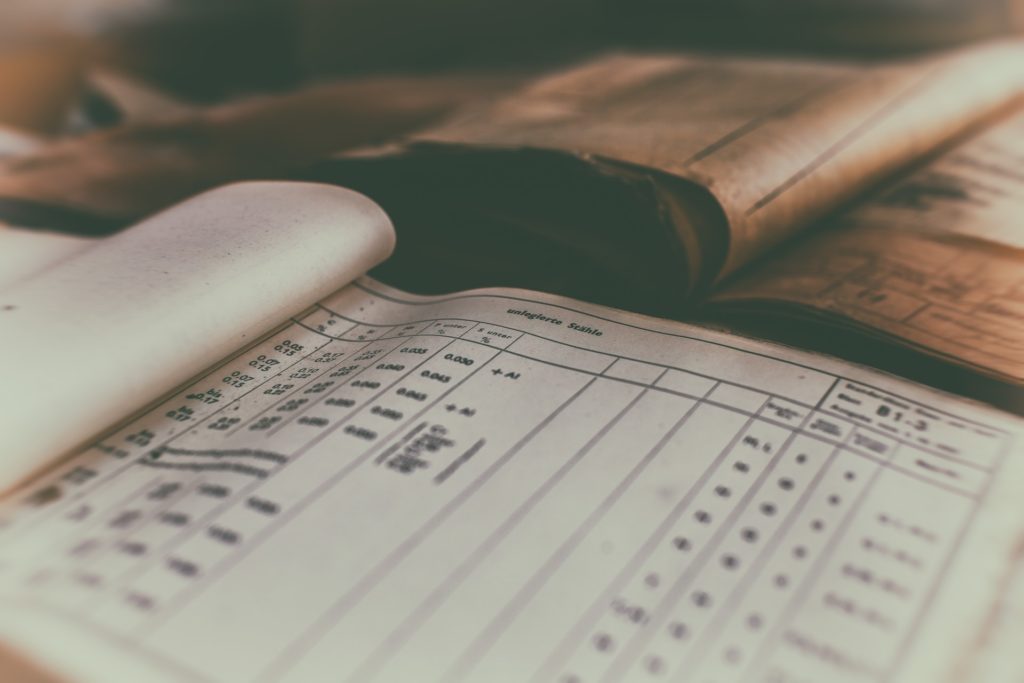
<point x="663" y="183"/>
<point x="218" y="468"/>
<point x="935" y="262"/>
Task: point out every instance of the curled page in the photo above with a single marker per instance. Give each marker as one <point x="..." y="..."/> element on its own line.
<point x="98" y="336"/>
<point x="24" y="253"/>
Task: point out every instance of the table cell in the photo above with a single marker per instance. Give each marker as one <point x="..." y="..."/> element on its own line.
<point x="828" y="427"/>
<point x="634" y="371"/>
<point x="687" y="383"/>
<point x="409" y="330"/>
<point x="327" y="322"/>
<point x="785" y="412"/>
<point x="449" y="328"/>
<point x="548" y="351"/>
<point x="366" y="332"/>
<point x="946" y="473"/>
<point x="738" y="397"/>
<point x="872" y="444"/>
<point x="492" y="335"/>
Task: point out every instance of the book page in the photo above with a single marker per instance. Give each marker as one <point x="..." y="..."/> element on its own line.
<point x="778" y="143"/>
<point x="936" y="261"/>
<point x="499" y="485"/>
<point x="24" y="253"/>
<point x="94" y="338"/>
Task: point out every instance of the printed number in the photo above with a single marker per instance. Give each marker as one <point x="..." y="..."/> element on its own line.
<point x="293" y="404"/>
<point x="263" y="363"/>
<point x="237" y="379"/>
<point x="414" y="395"/>
<point x="263" y="506"/>
<point x="264" y="423"/>
<point x="278" y="389"/>
<point x="361" y="433"/>
<point x="288" y="347"/>
<point x="183" y="567"/>
<point x="319" y="387"/>
<point x="223" y="423"/>
<point x="225" y="536"/>
<point x="436" y="376"/>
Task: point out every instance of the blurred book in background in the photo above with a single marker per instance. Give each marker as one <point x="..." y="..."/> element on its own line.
<point x="208" y="50"/>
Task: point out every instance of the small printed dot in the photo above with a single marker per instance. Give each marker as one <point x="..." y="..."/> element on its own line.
<point x="800" y="552"/>
<point x="722" y="491"/>
<point x="9" y="307"/>
<point x="817" y="525"/>
<point x="603" y="642"/>
<point x="733" y="656"/>
<point x="681" y="543"/>
<point x="678" y="630"/>
<point x="850" y="476"/>
<point x="785" y="484"/>
<point x="868" y="543"/>
<point x="801" y="459"/>
<point x="749" y="535"/>
<point x="652" y="580"/>
<point x="768" y="509"/>
<point x="730" y="561"/>
<point x="703" y="516"/>
<point x="637" y="615"/>
<point x="754" y="621"/>
<point x="701" y="599"/>
<point x="571" y="678"/>
<point x="741" y="466"/>
<point x="655" y="665"/>
<point x="834" y="499"/>
<point x="781" y="580"/>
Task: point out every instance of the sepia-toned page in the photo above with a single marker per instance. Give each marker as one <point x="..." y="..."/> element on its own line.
<point x="777" y="142"/>
<point x="936" y="261"/>
<point x="504" y="486"/>
<point x="24" y="253"/>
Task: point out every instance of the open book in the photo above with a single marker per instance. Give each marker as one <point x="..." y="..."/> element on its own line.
<point x="228" y="457"/>
<point x="716" y="164"/>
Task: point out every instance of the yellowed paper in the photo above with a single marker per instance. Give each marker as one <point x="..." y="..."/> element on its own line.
<point x="24" y="253"/>
<point x="975" y="190"/>
<point x="777" y="142"/>
<point x="937" y="260"/>
<point x="501" y="485"/>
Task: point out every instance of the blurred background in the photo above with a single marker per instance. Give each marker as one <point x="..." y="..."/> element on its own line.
<point x="211" y="50"/>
